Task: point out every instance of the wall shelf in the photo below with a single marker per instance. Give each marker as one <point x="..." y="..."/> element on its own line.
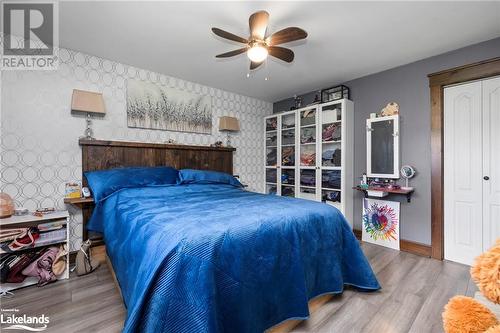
<point x="79" y="201"/>
<point x="406" y="192"/>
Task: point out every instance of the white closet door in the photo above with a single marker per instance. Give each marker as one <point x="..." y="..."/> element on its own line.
<point x="491" y="161"/>
<point x="463" y="175"/>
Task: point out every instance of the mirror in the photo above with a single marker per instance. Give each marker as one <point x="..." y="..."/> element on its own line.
<point x="382" y="147"/>
<point x="407" y="172"/>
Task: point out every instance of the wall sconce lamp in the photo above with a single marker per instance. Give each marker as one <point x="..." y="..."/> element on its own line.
<point x="228" y="125"/>
<point x="91" y="103"/>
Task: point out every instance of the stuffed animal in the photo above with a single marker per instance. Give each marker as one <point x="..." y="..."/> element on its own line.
<point x="466" y="315"/>
<point x="390" y="109"/>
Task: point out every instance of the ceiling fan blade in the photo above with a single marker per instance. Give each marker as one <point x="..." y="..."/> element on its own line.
<point x="281" y="53"/>
<point x="258" y="24"/>
<point x="286" y="35"/>
<point x="228" y="35"/>
<point x="254" y="65"/>
<point x="232" y="53"/>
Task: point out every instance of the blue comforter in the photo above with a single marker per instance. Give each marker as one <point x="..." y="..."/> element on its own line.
<point x="215" y="258"/>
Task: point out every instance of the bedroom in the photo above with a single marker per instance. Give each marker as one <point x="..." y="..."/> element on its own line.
<point x="152" y="182"/>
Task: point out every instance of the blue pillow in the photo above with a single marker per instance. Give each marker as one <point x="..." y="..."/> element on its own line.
<point x="105" y="182"/>
<point x="191" y="176"/>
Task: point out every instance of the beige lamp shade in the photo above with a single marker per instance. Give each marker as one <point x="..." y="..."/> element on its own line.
<point x="87" y="101"/>
<point x="230" y="124"/>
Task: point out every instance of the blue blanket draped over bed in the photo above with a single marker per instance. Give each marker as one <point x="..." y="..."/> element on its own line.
<point x="215" y="258"/>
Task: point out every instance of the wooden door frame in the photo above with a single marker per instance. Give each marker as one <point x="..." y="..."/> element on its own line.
<point x="437" y="82"/>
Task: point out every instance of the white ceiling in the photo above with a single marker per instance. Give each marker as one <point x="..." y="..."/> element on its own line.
<point x="346" y="40"/>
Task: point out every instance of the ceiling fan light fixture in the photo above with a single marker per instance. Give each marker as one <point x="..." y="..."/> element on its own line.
<point x="258" y="46"/>
<point x="257" y="53"/>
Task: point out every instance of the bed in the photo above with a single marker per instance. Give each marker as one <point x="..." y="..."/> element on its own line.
<point x="213" y="257"/>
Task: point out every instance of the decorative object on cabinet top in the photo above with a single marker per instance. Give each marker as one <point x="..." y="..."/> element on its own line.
<point x="391" y="109"/>
<point x="334" y="93"/>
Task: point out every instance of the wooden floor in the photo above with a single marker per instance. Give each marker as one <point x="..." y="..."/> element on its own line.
<point x="414" y="291"/>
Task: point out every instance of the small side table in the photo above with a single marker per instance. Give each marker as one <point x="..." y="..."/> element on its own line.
<point x="79" y="201"/>
<point x="29" y="220"/>
<point x="87" y="207"/>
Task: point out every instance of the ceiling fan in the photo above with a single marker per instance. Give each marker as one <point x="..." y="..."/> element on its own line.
<point x="258" y="46"/>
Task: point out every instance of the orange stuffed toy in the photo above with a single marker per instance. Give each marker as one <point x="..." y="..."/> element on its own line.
<point x="465" y="314"/>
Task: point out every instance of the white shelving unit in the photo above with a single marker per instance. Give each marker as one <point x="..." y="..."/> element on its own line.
<point x="28" y="221"/>
<point x="309" y="154"/>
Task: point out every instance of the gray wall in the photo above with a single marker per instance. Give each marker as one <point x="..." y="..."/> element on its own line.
<point x="408" y="86"/>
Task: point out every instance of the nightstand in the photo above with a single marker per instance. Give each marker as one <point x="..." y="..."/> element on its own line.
<point x="79" y="201"/>
<point x="54" y="239"/>
<point x="87" y="207"/>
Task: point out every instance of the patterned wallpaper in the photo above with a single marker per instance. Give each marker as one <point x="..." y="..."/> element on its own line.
<point x="39" y="135"/>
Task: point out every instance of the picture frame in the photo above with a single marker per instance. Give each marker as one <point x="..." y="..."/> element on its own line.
<point x="381" y="222"/>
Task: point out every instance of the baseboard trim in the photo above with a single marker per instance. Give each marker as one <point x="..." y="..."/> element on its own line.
<point x="407" y="246"/>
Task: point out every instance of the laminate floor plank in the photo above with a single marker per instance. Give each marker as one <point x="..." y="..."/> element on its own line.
<point x="361" y="308"/>
<point x="414" y="292"/>
<point x="395" y="314"/>
<point x="322" y="315"/>
<point x="471" y="288"/>
<point x="452" y="280"/>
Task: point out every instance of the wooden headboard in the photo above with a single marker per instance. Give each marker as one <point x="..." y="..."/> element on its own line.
<point x="103" y="155"/>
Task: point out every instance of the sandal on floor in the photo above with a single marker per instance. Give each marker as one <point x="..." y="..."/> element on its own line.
<point x="85" y="264"/>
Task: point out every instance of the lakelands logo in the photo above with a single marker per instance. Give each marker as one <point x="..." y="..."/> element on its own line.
<point x="11" y="320"/>
<point x="29" y="35"/>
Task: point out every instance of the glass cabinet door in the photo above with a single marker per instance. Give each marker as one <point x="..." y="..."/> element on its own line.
<point x="288" y="182"/>
<point x="331" y="186"/>
<point x="288" y="149"/>
<point x="272" y="142"/>
<point x="307" y="138"/>
<point x="271" y="181"/>
<point x="272" y="155"/>
<point x="331" y="135"/>
<point x="288" y="140"/>
<point x="307" y="151"/>
<point x="331" y="153"/>
<point x="308" y="184"/>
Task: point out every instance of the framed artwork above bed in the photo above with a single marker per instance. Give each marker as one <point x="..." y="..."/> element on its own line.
<point x="153" y="106"/>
